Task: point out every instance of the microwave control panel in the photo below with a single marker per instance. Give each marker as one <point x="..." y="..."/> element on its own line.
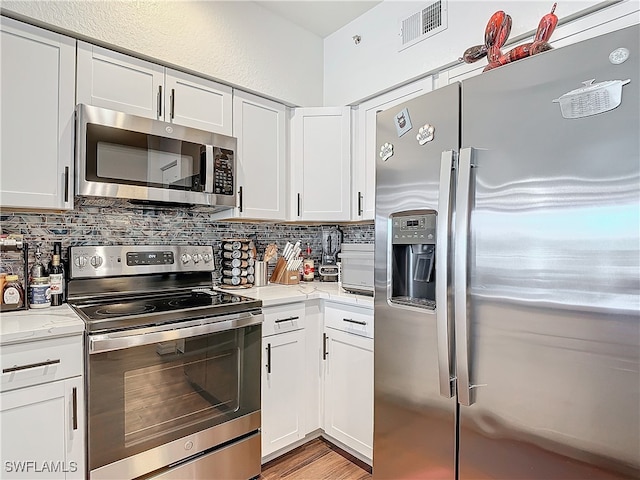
<point x="413" y="229"/>
<point x="223" y="171"/>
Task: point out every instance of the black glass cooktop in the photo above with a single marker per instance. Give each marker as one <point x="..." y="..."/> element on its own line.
<point x="122" y="313"/>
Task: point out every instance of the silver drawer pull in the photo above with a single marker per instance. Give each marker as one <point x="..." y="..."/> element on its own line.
<point x="31" y="365"/>
<point x="288" y="319"/>
<point x="350" y="320"/>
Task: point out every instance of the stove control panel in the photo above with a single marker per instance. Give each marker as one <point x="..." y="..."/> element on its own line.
<point x="109" y="261"/>
<point x="150" y="258"/>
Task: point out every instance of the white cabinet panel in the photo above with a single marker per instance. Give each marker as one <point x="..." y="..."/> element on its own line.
<point x="43" y="425"/>
<point x="261" y="129"/>
<point x="198" y="103"/>
<point x="321" y="164"/>
<point x="128" y="84"/>
<point x="349" y="318"/>
<point x="37" y="117"/>
<point x="282" y="390"/>
<point x="348" y="390"/>
<point x="119" y="82"/>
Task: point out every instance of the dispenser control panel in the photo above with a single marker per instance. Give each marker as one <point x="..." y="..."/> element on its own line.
<point x="413" y="229"/>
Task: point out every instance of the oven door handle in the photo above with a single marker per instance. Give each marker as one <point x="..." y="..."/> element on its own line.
<point x="134" y="338"/>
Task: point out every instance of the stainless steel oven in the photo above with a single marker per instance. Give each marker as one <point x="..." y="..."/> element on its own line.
<point x="172" y="367"/>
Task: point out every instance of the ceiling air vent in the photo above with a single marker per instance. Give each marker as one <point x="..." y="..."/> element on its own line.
<point x="423" y="24"/>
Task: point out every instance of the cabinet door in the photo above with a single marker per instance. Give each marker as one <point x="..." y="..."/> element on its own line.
<point x="119" y="82"/>
<point x="366" y="148"/>
<point x="348" y="390"/>
<point x="197" y="102"/>
<point x="37" y="69"/>
<point x="282" y="390"/>
<point x="321" y="164"/>
<point x="260" y="127"/>
<point x="43" y="431"/>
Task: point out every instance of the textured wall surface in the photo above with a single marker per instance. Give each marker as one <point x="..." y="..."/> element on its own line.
<point x="117" y="222"/>
<point x="238" y="43"/>
<point x="375" y="64"/>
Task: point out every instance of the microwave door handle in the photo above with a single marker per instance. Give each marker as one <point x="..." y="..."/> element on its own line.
<point x="209" y="165"/>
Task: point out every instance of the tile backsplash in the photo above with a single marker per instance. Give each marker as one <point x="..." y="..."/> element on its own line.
<point x="116" y="222"/>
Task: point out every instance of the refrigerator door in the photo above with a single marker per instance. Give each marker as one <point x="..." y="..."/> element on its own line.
<point x="414" y="409"/>
<point x="550" y="341"/>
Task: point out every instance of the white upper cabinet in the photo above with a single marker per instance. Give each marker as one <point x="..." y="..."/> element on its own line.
<point x="37" y="117"/>
<point x="198" y="103"/>
<point x="321" y="164"/>
<point x="127" y="84"/>
<point x="366" y="148"/>
<point x="261" y="129"/>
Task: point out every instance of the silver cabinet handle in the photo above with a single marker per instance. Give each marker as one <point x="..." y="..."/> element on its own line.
<point x="159" y="101"/>
<point x="268" y="358"/>
<point x="66" y="184"/>
<point x="351" y="320"/>
<point x="443" y="328"/>
<point x="288" y="319"/>
<point x="359" y="203"/>
<point x="324" y="346"/>
<point x="173" y="103"/>
<point x="240" y="197"/>
<point x="299" y="205"/>
<point x="465" y="392"/>
<point x="74" y="401"/>
<point x="17" y="368"/>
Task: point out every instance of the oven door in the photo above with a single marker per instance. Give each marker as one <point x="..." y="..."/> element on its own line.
<point x="157" y="396"/>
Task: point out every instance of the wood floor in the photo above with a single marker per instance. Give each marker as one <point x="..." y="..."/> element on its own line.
<point x="316" y="460"/>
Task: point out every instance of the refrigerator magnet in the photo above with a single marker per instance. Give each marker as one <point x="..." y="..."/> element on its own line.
<point x="403" y="122"/>
<point x="425" y="134"/>
<point x="386" y="151"/>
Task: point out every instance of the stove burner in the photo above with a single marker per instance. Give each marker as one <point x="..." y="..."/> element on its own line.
<point x="120" y="309"/>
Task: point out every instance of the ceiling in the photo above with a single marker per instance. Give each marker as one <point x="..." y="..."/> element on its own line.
<point x="320" y="17"/>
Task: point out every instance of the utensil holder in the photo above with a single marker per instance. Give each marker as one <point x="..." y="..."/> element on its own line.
<point x="283" y="276"/>
<point x="261" y="277"/>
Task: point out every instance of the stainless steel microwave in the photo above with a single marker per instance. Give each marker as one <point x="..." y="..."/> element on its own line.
<point x="126" y="156"/>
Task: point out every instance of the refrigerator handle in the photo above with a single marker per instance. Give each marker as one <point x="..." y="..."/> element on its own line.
<point x="461" y="255"/>
<point x="445" y="342"/>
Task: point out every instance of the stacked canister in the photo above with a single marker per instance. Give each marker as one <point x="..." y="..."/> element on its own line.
<point x="237" y="262"/>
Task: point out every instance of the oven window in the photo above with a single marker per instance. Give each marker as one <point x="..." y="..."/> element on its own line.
<point x="145" y="396"/>
<point x="121" y="156"/>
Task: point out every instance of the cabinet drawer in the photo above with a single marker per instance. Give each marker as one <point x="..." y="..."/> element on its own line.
<point x="283" y="318"/>
<point x="32" y="363"/>
<point x="349" y="319"/>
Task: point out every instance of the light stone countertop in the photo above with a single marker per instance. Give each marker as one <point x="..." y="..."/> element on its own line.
<point x="276" y="294"/>
<point x="39" y="323"/>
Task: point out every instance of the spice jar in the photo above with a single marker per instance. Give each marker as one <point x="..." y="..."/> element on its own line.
<point x="13" y="294"/>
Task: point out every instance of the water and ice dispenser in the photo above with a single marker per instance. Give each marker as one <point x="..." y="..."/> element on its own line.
<point x="413" y="257"/>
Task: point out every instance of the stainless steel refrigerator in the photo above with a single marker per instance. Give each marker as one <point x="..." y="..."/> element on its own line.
<point x="507" y="272"/>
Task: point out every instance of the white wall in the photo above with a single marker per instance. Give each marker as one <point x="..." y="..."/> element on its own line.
<point x="355" y="72"/>
<point x="239" y="43"/>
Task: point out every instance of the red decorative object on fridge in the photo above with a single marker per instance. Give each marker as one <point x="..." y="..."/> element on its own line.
<point x="496" y="34"/>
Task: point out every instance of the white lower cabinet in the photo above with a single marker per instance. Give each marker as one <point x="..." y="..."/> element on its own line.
<point x="348" y="378"/>
<point x="42" y="424"/>
<point x="283" y="400"/>
<point x="317" y="376"/>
